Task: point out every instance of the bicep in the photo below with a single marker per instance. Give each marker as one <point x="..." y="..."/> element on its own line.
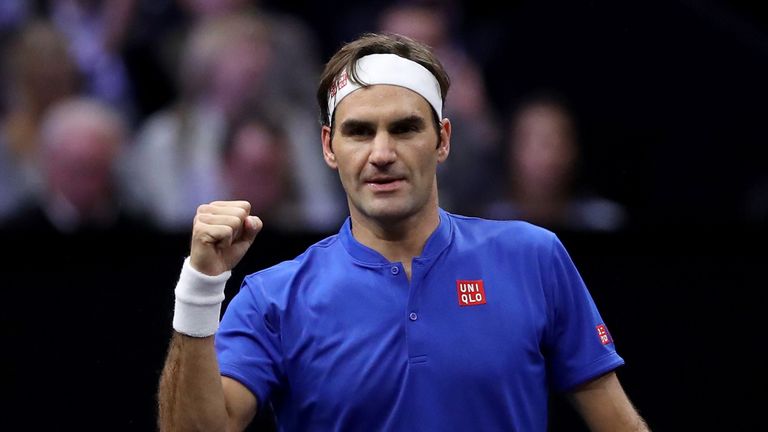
<point x="241" y="404"/>
<point x="604" y="406"/>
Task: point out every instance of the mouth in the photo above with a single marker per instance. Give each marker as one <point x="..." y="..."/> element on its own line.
<point x="384" y="184"/>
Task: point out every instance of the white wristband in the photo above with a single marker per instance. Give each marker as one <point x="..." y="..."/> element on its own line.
<point x="198" y="301"/>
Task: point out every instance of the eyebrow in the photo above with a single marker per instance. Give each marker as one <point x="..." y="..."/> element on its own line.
<point x="350" y="125"/>
<point x="412" y="120"/>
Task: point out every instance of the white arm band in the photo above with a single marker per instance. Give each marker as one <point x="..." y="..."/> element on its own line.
<point x="198" y="301"/>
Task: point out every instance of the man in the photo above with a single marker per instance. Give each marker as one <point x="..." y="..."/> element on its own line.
<point x="542" y="182"/>
<point x="410" y="318"/>
<point x="81" y="142"/>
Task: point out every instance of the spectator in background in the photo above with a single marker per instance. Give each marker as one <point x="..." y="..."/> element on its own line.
<point x="257" y="168"/>
<point x="226" y="66"/>
<point x="80" y="144"/>
<point x="39" y="72"/>
<point x="96" y="32"/>
<point x="296" y="68"/>
<point x="292" y="75"/>
<point x="541" y="173"/>
<point x="175" y="160"/>
<point x="465" y="179"/>
<point x="159" y="28"/>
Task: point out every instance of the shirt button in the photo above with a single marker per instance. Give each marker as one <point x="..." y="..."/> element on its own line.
<point x="395" y="270"/>
<point x="413" y="316"/>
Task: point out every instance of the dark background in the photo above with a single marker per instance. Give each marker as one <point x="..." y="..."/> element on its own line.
<point x="671" y="97"/>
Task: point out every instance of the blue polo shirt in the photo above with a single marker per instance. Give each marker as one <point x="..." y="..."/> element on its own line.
<point x="495" y="315"/>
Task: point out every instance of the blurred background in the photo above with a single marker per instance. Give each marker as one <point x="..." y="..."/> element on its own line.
<point x="634" y="132"/>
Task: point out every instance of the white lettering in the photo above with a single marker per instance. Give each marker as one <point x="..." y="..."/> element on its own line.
<point x="464" y="298"/>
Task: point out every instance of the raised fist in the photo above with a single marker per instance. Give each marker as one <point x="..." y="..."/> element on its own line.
<point x="221" y="234"/>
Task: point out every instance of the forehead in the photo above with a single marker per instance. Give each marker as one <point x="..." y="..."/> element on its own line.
<point x="382" y="101"/>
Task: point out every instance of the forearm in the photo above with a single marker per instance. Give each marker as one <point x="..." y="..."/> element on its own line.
<point x="191" y="396"/>
<point x="630" y="422"/>
<point x="605" y="407"/>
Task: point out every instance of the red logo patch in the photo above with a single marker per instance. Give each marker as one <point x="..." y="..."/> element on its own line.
<point x="602" y="332"/>
<point x="471" y="292"/>
<point x="342" y="80"/>
<point x="338" y="84"/>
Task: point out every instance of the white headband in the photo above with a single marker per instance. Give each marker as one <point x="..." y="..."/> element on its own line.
<point x="387" y="69"/>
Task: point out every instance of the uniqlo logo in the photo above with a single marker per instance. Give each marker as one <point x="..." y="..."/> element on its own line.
<point x="602" y="333"/>
<point x="471" y="292"/>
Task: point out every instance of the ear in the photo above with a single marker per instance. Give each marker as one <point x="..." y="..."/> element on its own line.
<point x="328" y="155"/>
<point x="445" y="141"/>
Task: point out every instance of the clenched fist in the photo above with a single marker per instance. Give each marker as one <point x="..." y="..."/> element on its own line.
<point x="221" y="234"/>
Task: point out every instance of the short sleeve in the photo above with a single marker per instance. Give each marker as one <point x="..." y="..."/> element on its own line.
<point x="578" y="344"/>
<point x="248" y="342"/>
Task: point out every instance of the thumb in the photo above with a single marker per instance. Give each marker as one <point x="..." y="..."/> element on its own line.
<point x="252" y="227"/>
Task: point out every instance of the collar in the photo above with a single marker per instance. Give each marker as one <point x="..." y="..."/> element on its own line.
<point x="436" y="243"/>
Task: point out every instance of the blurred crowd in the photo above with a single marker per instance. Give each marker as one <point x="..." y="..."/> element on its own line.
<point x="128" y="114"/>
<point x="112" y="121"/>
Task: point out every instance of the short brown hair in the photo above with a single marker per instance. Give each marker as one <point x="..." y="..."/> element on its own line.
<point x="374" y="43"/>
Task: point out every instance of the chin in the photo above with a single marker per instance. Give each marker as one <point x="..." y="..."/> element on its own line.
<point x="387" y="211"/>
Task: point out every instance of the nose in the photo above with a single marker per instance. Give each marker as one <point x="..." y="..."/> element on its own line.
<point x="382" y="150"/>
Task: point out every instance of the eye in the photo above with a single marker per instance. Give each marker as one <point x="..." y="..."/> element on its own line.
<point x="358" y="131"/>
<point x="406" y="128"/>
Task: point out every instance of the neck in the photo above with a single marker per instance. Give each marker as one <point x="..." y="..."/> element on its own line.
<point x="400" y="240"/>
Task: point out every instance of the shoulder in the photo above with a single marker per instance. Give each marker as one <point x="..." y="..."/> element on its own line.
<point x="273" y="282"/>
<point x="28" y="219"/>
<point x="596" y="213"/>
<point x="158" y="122"/>
<point x="512" y="233"/>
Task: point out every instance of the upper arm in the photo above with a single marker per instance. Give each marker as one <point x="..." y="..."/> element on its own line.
<point x="576" y="338"/>
<point x="248" y="349"/>
<point x="604" y="406"/>
<point x="241" y="404"/>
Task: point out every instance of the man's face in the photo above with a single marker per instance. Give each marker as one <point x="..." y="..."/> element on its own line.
<point x="80" y="166"/>
<point x="386" y="150"/>
<point x="256" y="168"/>
<point x="543" y="150"/>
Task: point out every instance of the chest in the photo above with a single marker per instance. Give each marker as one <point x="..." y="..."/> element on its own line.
<point x="371" y="335"/>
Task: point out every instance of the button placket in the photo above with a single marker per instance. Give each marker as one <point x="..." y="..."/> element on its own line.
<point x="416" y="328"/>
